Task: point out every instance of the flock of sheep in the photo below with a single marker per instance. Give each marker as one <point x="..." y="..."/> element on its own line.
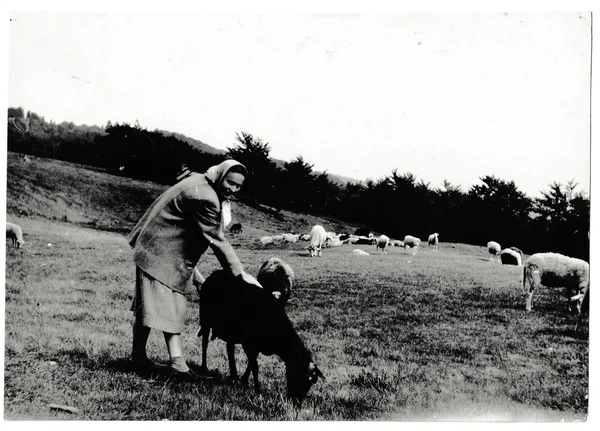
<point x="318" y="239"/>
<point x="547" y="269"/>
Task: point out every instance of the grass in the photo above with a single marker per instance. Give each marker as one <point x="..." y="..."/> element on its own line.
<point x="398" y="337"/>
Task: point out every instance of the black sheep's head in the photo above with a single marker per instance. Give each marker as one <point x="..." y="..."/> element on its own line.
<point x="300" y="378"/>
<point x="575" y="299"/>
<point x="277" y="277"/>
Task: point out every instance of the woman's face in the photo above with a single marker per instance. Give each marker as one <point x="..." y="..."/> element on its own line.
<point x="231" y="184"/>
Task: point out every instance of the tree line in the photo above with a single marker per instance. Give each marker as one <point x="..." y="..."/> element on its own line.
<point x="397" y="204"/>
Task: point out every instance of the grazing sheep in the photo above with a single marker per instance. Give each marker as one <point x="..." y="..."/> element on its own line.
<point x="335" y="242"/>
<point x="236" y="228"/>
<point x="277" y="277"/>
<point x="317" y="239"/>
<point x="556" y="270"/>
<point x="266" y="240"/>
<point x="510" y="257"/>
<point x="241" y="313"/>
<point x="382" y="243"/>
<point x="359" y="252"/>
<point x="412" y="242"/>
<point x="290" y="238"/>
<point x="14" y="232"/>
<point x="277" y="239"/>
<point x="494" y="250"/>
<point x="433" y="241"/>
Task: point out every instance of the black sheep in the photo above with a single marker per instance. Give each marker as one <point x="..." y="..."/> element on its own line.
<point x="241" y="313"/>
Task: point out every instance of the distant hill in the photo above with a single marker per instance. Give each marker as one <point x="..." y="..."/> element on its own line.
<point x="193" y="142"/>
<point x="337" y="179"/>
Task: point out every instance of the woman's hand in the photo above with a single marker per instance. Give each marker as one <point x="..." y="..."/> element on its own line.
<point x="250" y="279"/>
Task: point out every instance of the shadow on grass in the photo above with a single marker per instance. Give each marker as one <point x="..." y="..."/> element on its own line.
<point x="124" y="365"/>
<point x="161" y="373"/>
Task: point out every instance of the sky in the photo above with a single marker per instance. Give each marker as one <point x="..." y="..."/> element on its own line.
<point x="445" y="96"/>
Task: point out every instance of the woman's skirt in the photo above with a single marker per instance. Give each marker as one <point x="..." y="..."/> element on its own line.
<point x="157" y="306"/>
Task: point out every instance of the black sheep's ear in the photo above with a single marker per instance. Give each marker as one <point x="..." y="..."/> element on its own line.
<point x="314" y="373"/>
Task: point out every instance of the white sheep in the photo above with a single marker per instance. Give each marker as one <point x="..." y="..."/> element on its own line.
<point x="360" y="252"/>
<point x="556" y="270"/>
<point x="397" y="243"/>
<point x="382" y="243"/>
<point x="277" y="277"/>
<point x="412" y="242"/>
<point x="317" y="239"/>
<point x="494" y="250"/>
<point x="14" y="232"/>
<point x="433" y="241"/>
<point x="266" y="240"/>
<point x="290" y="238"/>
<point x="305" y="237"/>
<point x="277" y="239"/>
<point x="508" y="256"/>
<point x="335" y="242"/>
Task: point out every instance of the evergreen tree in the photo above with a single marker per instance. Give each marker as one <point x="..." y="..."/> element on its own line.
<point x="254" y="154"/>
<point x="297" y="182"/>
<point x="498" y="211"/>
<point x="563" y="220"/>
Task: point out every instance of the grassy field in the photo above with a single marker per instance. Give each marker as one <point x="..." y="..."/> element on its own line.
<point x="437" y="336"/>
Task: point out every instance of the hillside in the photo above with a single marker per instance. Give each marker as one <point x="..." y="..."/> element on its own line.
<point x="56" y="190"/>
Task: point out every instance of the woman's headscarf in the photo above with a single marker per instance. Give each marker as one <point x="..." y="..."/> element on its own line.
<point x="215" y="175"/>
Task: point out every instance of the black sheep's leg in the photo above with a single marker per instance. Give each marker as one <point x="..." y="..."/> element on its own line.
<point x="255" y="372"/>
<point x="205" y="334"/>
<point x="246" y="374"/>
<point x="252" y="355"/>
<point x="231" y="356"/>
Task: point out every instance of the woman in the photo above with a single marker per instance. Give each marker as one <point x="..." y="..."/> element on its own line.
<point x="167" y="244"/>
